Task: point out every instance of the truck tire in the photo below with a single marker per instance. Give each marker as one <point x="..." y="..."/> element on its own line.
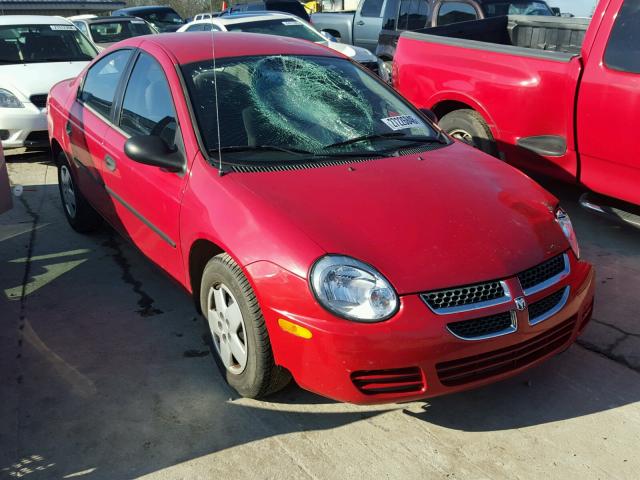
<point x="468" y="126"/>
<point x="79" y="213"/>
<point x="238" y="334"/>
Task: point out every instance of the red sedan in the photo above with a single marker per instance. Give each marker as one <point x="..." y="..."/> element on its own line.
<point x="326" y="228"/>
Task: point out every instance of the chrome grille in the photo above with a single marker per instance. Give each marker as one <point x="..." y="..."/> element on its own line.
<point x="533" y="278"/>
<point x="548" y="306"/>
<point x="483" y="328"/>
<point x="458" y="299"/>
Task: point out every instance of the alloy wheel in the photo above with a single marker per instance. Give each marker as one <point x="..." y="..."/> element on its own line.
<point x="227" y="328"/>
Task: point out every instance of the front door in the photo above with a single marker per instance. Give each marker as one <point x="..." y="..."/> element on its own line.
<point x="609" y="108"/>
<point x="367" y="24"/>
<point x="89" y="116"/>
<point x="147" y="198"/>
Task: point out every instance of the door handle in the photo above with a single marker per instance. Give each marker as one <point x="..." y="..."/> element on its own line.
<point x="110" y="163"/>
<point x="359" y="22"/>
<point x="68" y="128"/>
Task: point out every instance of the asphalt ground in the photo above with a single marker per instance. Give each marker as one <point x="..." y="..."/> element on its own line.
<point x="105" y="374"/>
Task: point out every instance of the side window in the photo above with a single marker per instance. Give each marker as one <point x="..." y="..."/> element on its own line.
<point x="454" y="12"/>
<point x="147" y="108"/>
<point x="82" y="27"/>
<point x="413" y="14"/>
<point x="371" y="8"/>
<point x="101" y="82"/>
<point x="623" y="49"/>
<point x="196" y="28"/>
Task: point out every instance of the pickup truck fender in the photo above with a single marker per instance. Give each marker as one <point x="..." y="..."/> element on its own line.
<point x="446" y="101"/>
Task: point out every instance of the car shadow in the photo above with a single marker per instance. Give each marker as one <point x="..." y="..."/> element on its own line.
<point x="103" y="387"/>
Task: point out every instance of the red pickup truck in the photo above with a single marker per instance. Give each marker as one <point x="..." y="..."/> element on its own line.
<point x="554" y="95"/>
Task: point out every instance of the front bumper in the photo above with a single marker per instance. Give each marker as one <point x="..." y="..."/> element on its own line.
<point x="411" y="356"/>
<point x="23" y="127"/>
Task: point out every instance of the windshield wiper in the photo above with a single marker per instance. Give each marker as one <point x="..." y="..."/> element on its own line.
<point x="390" y="135"/>
<point x="296" y="151"/>
<point x="273" y="148"/>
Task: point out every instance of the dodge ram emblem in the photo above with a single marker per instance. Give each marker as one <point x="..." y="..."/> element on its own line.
<point x="521" y="303"/>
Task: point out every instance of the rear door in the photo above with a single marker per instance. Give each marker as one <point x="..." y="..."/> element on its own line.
<point x="147" y="198"/>
<point x="367" y="24"/>
<point x="609" y="107"/>
<point x="89" y="116"/>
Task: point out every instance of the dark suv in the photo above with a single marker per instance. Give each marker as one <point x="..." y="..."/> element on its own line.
<point x="294" y="7"/>
<point x="401" y="15"/>
<point x="165" y="19"/>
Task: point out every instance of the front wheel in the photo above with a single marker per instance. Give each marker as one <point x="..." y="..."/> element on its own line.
<point x="239" y="335"/>
<point x="468" y="126"/>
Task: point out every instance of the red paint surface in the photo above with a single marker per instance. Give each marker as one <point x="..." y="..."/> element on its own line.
<point x="523" y="96"/>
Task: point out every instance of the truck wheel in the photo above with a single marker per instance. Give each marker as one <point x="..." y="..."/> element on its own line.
<point x="469" y="127"/>
<point x="80" y="214"/>
<point x="239" y="335"/>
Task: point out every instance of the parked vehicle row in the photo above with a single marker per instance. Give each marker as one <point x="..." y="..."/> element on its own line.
<point x="35" y="53"/>
<point x="326" y="228"/>
<point x="283" y="25"/>
<point x="553" y="95"/>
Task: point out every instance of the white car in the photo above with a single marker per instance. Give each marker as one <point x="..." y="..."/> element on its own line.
<point x="283" y="25"/>
<point x="36" y="52"/>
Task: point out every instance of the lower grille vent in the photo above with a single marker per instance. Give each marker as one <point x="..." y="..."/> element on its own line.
<point x="400" y="380"/>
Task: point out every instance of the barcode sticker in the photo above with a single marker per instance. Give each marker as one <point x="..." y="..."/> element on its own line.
<point x="402" y="122"/>
<point x="62" y="27"/>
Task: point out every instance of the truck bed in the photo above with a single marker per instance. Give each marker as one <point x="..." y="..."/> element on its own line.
<point x="549" y="37"/>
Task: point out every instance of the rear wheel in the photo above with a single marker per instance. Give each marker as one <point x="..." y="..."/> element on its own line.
<point x="469" y="127"/>
<point x="80" y="214"/>
<point x="239" y="335"/>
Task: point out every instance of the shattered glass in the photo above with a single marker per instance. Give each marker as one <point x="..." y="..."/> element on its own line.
<point x="294" y="102"/>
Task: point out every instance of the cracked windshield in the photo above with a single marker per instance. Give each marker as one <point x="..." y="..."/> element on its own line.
<point x="284" y="108"/>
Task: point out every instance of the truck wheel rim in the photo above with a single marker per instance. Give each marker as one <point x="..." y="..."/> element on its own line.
<point x="227" y="328"/>
<point x="463" y="136"/>
<point x="68" y="191"/>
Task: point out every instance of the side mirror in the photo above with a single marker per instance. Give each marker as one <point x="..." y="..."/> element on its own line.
<point x="556" y="11"/>
<point x="328" y="36"/>
<point x="153" y="150"/>
<point x="430" y="115"/>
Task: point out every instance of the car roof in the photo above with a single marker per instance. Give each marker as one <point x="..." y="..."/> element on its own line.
<point x="119" y="18"/>
<point x="33" y="20"/>
<point x="245" y="18"/>
<point x="144" y="8"/>
<point x="197" y="46"/>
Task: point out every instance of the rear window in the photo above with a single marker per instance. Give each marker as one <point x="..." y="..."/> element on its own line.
<point x="43" y="43"/>
<point x="499" y="8"/>
<point x="118" y="30"/>
<point x="623" y="49"/>
<point x="282" y="27"/>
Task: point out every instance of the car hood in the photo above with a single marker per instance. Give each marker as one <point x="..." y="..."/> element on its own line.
<point x="36" y="78"/>
<point x="358" y="54"/>
<point x="453" y="218"/>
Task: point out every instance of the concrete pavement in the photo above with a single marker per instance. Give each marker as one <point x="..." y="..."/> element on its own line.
<point x="105" y="375"/>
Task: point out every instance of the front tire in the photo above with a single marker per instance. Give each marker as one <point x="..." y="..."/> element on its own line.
<point x="79" y="213"/>
<point x="468" y="126"/>
<point x="239" y="337"/>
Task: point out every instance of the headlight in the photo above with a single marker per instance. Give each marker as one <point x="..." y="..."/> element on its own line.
<point x="9" y="100"/>
<point x="352" y="289"/>
<point x="567" y="228"/>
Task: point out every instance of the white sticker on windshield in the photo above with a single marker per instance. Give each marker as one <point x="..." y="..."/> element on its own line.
<point x="137" y="21"/>
<point x="289" y="22"/>
<point x="62" y="27"/>
<point x="401" y="122"/>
